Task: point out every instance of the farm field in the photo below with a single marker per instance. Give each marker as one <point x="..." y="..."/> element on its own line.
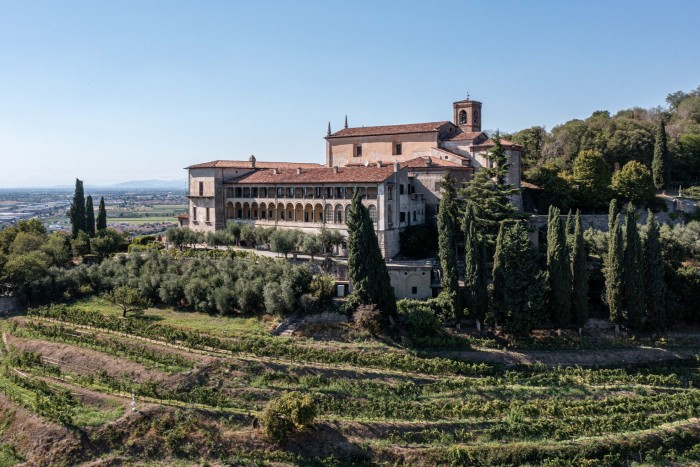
<point x="201" y="381"/>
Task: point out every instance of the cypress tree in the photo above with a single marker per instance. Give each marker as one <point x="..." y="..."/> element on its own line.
<point x="519" y="284"/>
<point x="660" y="162"/>
<point x="654" y="283"/>
<point x="558" y="270"/>
<point x="613" y="211"/>
<point x="570" y="227"/>
<point x="77" y="209"/>
<point x="579" y="272"/>
<point x="613" y="272"/>
<point x="498" y="275"/>
<point x="447" y="246"/>
<point x="89" y="217"/>
<point x="366" y="267"/>
<point x="475" y="280"/>
<point x="101" y="215"/>
<point x="633" y="272"/>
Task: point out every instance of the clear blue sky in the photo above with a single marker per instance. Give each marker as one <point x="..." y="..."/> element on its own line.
<point x="131" y="90"/>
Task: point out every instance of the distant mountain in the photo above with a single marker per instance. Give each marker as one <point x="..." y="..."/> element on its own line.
<point x="152" y="184"/>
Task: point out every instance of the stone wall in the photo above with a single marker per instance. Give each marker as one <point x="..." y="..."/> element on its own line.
<point x="600" y="221"/>
<point x="8" y="304"/>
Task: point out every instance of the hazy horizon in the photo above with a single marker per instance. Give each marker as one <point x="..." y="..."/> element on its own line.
<point x="111" y="92"/>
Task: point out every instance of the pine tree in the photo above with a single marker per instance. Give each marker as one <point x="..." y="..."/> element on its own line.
<point x="654" y="283"/>
<point x="447" y="246"/>
<point x="89" y="217"/>
<point x="579" y="272"/>
<point x="613" y="272"/>
<point x="500" y="160"/>
<point x="558" y="270"/>
<point x="475" y="280"/>
<point x="77" y="209"/>
<point x="366" y="267"/>
<point x="660" y="162"/>
<point x="519" y="285"/>
<point x="633" y="272"/>
<point x="101" y="215"/>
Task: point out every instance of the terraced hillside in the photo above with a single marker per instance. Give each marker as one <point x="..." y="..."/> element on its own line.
<point x="79" y="384"/>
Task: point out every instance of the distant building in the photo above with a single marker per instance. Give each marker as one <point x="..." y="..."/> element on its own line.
<point x="397" y="169"/>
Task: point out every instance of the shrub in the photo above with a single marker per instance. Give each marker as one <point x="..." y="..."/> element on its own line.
<point x="368" y="317"/>
<point x="419" y="318"/>
<point x="293" y="411"/>
<point x="323" y="287"/>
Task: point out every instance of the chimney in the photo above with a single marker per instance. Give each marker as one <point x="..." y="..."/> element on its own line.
<point x="251" y="159"/>
<point x="298" y="170"/>
<point x="335" y="169"/>
<point x="396" y="166"/>
<point x="274" y="171"/>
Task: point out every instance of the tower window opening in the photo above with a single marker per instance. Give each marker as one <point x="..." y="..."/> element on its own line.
<point x="463" y="117"/>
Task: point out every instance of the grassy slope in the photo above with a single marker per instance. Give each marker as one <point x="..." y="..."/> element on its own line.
<point x="498" y="416"/>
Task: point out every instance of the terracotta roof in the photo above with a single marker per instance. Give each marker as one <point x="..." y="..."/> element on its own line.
<point x="183" y="216"/>
<point x="464" y="136"/>
<point x="420" y="162"/>
<point x="504" y="142"/>
<point x="389" y="129"/>
<point x="529" y="185"/>
<point x="361" y="174"/>
<point x="247" y="165"/>
<point x="465" y="101"/>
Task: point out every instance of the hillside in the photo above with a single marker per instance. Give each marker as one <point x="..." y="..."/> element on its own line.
<point x="201" y="382"/>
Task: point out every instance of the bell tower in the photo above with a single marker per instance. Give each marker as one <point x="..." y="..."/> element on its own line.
<point x="467" y="115"/>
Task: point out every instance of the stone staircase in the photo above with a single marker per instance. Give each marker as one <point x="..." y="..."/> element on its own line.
<point x="288" y="326"/>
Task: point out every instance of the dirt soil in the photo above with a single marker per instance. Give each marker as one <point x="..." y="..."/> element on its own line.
<point x="40" y="442"/>
<point x="83" y="361"/>
<point x="581" y="358"/>
<point x="517" y="357"/>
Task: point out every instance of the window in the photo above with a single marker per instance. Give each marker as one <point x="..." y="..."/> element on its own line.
<point x="372" y="212"/>
<point x="463" y="117"/>
<point x="201" y="188"/>
<point x="290" y="192"/>
<point x="254" y="192"/>
<point x="194" y="213"/>
<point x="206" y="215"/>
<point x="402" y="216"/>
<point x="390" y="215"/>
<point x="328" y="214"/>
<point x="414" y="290"/>
<point x="391" y="193"/>
<point x="401" y="189"/>
<point x="328" y="192"/>
<point x="229" y="192"/>
<point x="397" y="149"/>
<point x="280" y="192"/>
<point x="358" y="150"/>
<point x="414" y="216"/>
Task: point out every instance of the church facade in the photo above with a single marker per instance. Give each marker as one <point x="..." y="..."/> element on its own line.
<point x="397" y="170"/>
